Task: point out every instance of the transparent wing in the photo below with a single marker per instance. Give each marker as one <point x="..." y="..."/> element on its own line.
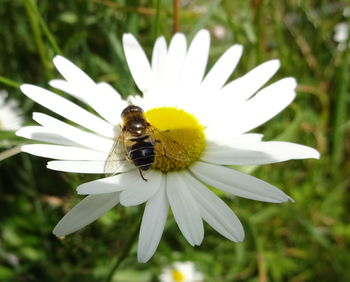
<point x="167" y="146"/>
<point x="117" y="161"/>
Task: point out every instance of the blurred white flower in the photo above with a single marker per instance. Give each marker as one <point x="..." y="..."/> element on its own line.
<point x="341" y="34"/>
<point x="346" y="12"/>
<point x="181" y="272"/>
<point x="10" y="114"/>
<point x="209" y="117"/>
<point x="219" y="31"/>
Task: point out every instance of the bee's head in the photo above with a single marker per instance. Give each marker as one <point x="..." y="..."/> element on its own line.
<point x="131" y="109"/>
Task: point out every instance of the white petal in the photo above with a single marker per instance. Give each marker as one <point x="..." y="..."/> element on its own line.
<point x="283" y="151"/>
<point x="215" y="211"/>
<point x="225" y="155"/>
<point x="97" y="167"/>
<point x="195" y="62"/>
<point x="159" y="57"/>
<point x="87" y="211"/>
<point x="43" y="134"/>
<point x="138" y="63"/>
<point x="244" y="87"/>
<point x="102" y="97"/>
<point x="79" y="136"/>
<point x="71" y="72"/>
<point x="78" y="166"/>
<point x="265" y="105"/>
<point x="109" y="103"/>
<point x="69" y="88"/>
<point x="152" y="226"/>
<point x="185" y="209"/>
<point x="110" y="184"/>
<point x="63" y="152"/>
<point x="77" y="83"/>
<point x="255" y="153"/>
<point x="238" y="183"/>
<point x="222" y="69"/>
<point x="175" y="60"/>
<point x="67" y="109"/>
<point x="214" y="143"/>
<point x="139" y="191"/>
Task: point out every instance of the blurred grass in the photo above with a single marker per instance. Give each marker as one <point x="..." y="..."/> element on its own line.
<point x="308" y="240"/>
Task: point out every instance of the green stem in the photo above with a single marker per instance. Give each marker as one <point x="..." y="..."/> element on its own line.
<point x="125" y="252"/>
<point x="157" y="20"/>
<point x="37" y="33"/>
<point x="9" y="82"/>
<point x="44" y="27"/>
<point x="259" y="29"/>
<point x="9" y="153"/>
<point x="340" y="113"/>
<point x="226" y="6"/>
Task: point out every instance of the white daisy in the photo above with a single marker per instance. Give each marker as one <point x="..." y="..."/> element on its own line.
<point x="219" y="31"/>
<point x="181" y="272"/>
<point x="10" y="114"/>
<point x="341" y="34"/>
<point x="209" y="117"/>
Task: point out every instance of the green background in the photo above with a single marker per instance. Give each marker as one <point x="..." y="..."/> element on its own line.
<point x="303" y="241"/>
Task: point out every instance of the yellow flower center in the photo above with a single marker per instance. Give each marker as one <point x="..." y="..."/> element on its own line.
<point x="177" y="275"/>
<point x="181" y="138"/>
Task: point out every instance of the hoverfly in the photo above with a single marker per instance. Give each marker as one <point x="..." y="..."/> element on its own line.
<point x="137" y="143"/>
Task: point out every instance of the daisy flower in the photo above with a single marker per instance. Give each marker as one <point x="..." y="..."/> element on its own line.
<point x="181" y="272"/>
<point x="209" y="117"/>
<point x="10" y="114"/>
<point x="341" y="32"/>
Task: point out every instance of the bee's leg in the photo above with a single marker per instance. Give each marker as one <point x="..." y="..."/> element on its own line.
<point x="142" y="175"/>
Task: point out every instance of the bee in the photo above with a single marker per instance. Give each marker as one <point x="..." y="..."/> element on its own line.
<point x="137" y="143"/>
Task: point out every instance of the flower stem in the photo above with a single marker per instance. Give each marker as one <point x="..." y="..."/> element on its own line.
<point x="176" y="9"/>
<point x="125" y="252"/>
<point x="9" y="82"/>
<point x="340" y="116"/>
<point x="46" y="30"/>
<point x="10" y="152"/>
<point x="157" y="20"/>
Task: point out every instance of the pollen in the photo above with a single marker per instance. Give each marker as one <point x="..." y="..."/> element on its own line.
<point x="180" y="138"/>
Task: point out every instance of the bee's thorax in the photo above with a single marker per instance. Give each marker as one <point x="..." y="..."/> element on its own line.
<point x="135" y="123"/>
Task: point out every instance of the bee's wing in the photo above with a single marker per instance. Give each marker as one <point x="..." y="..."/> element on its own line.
<point x="169" y="147"/>
<point x="117" y="159"/>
